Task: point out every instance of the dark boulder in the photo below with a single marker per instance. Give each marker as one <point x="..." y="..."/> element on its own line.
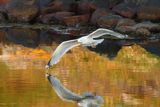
<point x="109" y="21"/>
<point x="149" y="10"/>
<point x="86" y="7"/>
<point x="126" y="22"/>
<point x="125" y="26"/>
<point x="54" y="18"/>
<point x="21" y="10"/>
<point x="149" y="13"/>
<point x="97" y="14"/>
<point x="54" y="6"/>
<point x="125" y="29"/>
<point x="77" y="20"/>
<point x="126" y="10"/>
<point x="143" y="32"/>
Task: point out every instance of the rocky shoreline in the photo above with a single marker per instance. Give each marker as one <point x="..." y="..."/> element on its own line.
<point x="137" y="18"/>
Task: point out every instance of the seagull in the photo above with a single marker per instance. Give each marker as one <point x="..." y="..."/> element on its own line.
<point x="89" y="40"/>
<point x="85" y="100"/>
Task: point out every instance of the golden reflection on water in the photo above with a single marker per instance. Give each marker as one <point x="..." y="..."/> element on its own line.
<point x="131" y="79"/>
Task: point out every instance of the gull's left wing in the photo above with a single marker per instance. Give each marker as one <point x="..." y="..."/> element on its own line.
<point x="61" y="50"/>
<point x="61" y="91"/>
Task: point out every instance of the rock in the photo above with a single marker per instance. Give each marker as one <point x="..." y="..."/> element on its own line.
<point x="74" y="32"/>
<point x="2" y="17"/>
<point x="21" y="10"/>
<point x="3" y="2"/>
<point x="126" y="10"/>
<point x="137" y="2"/>
<point x="43" y="3"/>
<point x="55" y="6"/>
<point x="109" y="21"/>
<point x="55" y="17"/>
<point x="85" y="7"/>
<point x="97" y="14"/>
<point x="143" y="32"/>
<point x="144" y="28"/>
<point x="76" y="20"/>
<point x="125" y="29"/>
<point x="125" y="26"/>
<point x="153" y="27"/>
<point x="126" y="22"/>
<point x="113" y="3"/>
<point x="149" y="13"/>
<point x="102" y="3"/>
<point x="62" y="15"/>
<point x="47" y="18"/>
<point x="22" y="14"/>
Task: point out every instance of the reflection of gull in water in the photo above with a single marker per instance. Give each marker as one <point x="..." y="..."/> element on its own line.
<point x="86" y="100"/>
<point x="89" y="40"/>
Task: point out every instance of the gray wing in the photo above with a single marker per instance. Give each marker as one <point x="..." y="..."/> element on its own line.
<point x="61" y="91"/>
<point x="61" y="50"/>
<point x="101" y="31"/>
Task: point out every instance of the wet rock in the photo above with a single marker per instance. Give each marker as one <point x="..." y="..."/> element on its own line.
<point x="143" y="32"/>
<point x="21" y="10"/>
<point x="126" y="22"/>
<point x="149" y="13"/>
<point x="62" y="15"/>
<point x="125" y="29"/>
<point x="86" y="7"/>
<point x="109" y="21"/>
<point x="2" y="2"/>
<point x="153" y="27"/>
<point x="54" y="17"/>
<point x="55" y="6"/>
<point x="97" y="14"/>
<point x="77" y="20"/>
<point x="126" y="10"/>
<point x="112" y="3"/>
<point x="43" y="3"/>
<point x="22" y="14"/>
<point x="125" y="25"/>
<point x="2" y="17"/>
<point x="137" y="2"/>
<point x="74" y="32"/>
<point x="103" y="3"/>
<point x="47" y="18"/>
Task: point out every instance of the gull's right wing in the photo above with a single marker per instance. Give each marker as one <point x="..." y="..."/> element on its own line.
<point x="61" y="50"/>
<point x="101" y="31"/>
<point x="61" y="91"/>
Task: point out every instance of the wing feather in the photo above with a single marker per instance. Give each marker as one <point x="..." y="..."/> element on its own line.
<point x="101" y="31"/>
<point x="61" y="50"/>
<point x="62" y="91"/>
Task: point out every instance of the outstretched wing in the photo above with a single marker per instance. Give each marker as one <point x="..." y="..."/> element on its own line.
<point x="61" y="50"/>
<point x="61" y="91"/>
<point x="101" y="31"/>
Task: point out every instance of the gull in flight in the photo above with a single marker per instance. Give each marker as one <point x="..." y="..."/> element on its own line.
<point x="85" y="100"/>
<point x="89" y="40"/>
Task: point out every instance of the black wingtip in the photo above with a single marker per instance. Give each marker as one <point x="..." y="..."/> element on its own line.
<point x="48" y="77"/>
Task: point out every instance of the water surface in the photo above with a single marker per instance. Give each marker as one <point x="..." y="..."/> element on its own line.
<point x="126" y="74"/>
